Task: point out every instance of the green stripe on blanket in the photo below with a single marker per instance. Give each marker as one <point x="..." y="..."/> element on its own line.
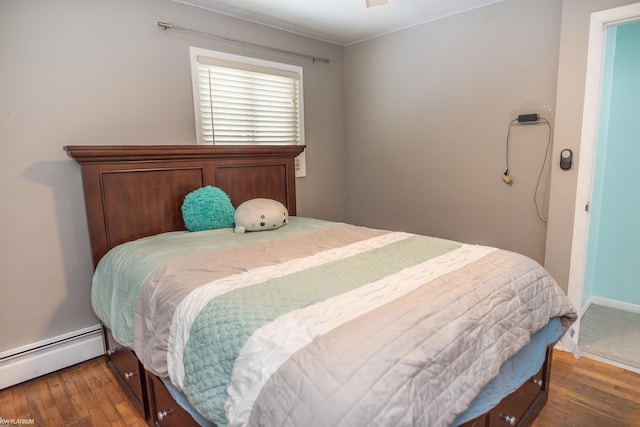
<point x="121" y="272"/>
<point x="224" y="325"/>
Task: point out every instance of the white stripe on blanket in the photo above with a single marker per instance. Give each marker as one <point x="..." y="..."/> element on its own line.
<point x="273" y="344"/>
<point x="198" y="299"/>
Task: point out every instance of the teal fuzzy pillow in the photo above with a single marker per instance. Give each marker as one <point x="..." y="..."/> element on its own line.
<point x="207" y="208"/>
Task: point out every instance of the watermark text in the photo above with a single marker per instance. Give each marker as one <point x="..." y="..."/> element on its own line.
<point x="16" y="421"/>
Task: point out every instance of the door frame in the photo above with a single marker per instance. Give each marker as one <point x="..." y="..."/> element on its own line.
<point x="588" y="141"/>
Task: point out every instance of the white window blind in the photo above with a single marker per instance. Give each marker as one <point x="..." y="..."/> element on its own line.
<point x="247" y="103"/>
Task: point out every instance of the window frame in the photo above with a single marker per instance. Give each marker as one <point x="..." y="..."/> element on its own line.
<point x="194" y="52"/>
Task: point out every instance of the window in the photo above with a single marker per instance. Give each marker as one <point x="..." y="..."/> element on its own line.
<point x="240" y="100"/>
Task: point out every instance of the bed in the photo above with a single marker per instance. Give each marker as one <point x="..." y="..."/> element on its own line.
<point x="372" y="344"/>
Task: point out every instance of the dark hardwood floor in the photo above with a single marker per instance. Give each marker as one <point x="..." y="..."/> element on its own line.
<point x="588" y="393"/>
<point x="584" y="393"/>
<point x="86" y="394"/>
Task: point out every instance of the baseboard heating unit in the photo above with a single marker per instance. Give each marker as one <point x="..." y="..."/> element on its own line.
<point x="33" y="360"/>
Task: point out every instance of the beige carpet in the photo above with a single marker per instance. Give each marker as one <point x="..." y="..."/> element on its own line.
<point x="612" y="334"/>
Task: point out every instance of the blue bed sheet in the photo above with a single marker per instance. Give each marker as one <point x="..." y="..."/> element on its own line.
<point x="514" y="372"/>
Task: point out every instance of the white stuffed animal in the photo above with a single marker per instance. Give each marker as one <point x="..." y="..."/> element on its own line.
<point x="260" y="214"/>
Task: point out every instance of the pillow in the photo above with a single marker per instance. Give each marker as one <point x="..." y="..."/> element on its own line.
<point x="207" y="208"/>
<point x="260" y="214"/>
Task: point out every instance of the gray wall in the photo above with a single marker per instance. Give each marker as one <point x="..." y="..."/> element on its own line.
<point x="427" y="111"/>
<point x="102" y="72"/>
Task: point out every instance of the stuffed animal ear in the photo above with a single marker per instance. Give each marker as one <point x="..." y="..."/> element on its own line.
<point x="260" y="214"/>
<point x="207" y="208"/>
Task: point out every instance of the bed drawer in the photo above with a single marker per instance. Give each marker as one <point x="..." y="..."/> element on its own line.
<point x="165" y="412"/>
<point x="481" y="421"/>
<point x="521" y="406"/>
<point x="128" y="371"/>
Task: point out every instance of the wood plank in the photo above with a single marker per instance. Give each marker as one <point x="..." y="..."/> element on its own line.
<point x="86" y="394"/>
<point x="75" y="399"/>
<point x="8" y="408"/>
<point x="35" y="406"/>
<point x="589" y="393"/>
<point x="20" y="404"/>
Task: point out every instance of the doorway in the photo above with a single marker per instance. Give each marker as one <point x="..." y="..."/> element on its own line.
<point x="604" y="259"/>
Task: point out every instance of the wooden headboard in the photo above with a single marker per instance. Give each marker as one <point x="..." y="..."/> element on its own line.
<point x="133" y="191"/>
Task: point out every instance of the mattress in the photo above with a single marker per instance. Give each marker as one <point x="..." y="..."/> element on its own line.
<point x="319" y="322"/>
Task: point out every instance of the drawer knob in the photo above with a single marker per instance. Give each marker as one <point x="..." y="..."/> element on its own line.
<point x="164" y="414"/>
<point x="508" y="419"/>
<point x="129" y="375"/>
<point x="538" y="382"/>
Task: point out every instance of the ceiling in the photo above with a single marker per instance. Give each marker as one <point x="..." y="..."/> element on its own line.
<point x="342" y="22"/>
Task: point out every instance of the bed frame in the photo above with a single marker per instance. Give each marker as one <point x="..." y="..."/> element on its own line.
<point x="133" y="191"/>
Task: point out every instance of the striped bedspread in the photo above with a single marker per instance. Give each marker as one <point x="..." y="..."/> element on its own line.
<point x="321" y="323"/>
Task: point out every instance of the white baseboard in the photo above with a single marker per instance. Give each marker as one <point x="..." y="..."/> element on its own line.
<point x="620" y="305"/>
<point x="43" y="357"/>
<point x="612" y="362"/>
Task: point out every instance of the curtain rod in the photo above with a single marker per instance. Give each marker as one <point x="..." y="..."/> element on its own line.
<point x="168" y="26"/>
